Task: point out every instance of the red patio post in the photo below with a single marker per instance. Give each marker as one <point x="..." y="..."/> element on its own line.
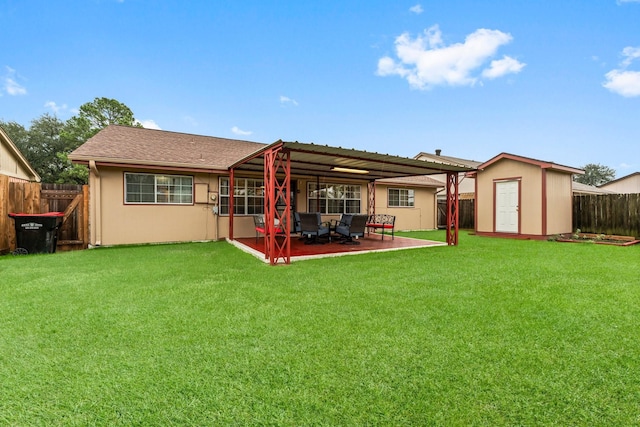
<point x="277" y="160"/>
<point x="452" y="208"/>
<point x="371" y="188"/>
<point x="231" y="202"/>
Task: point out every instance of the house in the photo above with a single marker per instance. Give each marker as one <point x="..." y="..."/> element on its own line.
<point x="580" y="189"/>
<point x="14" y="168"/>
<point x="150" y="186"/>
<point x="522" y="197"/>
<point x="629" y="184"/>
<point x="466" y="183"/>
<point x="412" y="200"/>
<point x="12" y="163"/>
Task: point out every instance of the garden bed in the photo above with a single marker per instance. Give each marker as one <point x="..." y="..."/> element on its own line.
<point x="602" y="239"/>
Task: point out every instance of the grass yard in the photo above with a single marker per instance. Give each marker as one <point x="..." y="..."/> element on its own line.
<point x="492" y="332"/>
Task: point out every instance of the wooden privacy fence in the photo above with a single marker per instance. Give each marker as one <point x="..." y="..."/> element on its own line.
<point x="607" y="214"/>
<point x="466" y="214"/>
<point x="36" y="198"/>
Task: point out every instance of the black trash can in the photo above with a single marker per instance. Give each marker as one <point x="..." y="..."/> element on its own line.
<point x="37" y="233"/>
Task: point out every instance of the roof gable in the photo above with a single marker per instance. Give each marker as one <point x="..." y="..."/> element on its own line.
<point x="28" y="172"/>
<point x="540" y="163"/>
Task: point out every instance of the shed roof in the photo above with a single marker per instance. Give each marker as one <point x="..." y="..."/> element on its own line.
<point x="323" y="160"/>
<point x="126" y="145"/>
<point x="541" y="163"/>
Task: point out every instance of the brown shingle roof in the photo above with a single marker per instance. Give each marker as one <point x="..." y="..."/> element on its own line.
<point x="139" y="146"/>
<point x="418" y="181"/>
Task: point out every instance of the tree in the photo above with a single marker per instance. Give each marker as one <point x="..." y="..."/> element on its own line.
<point x="39" y="144"/>
<point x="46" y="144"/>
<point x="595" y="174"/>
<point x="95" y="116"/>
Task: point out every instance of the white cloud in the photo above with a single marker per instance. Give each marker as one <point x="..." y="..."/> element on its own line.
<point x="427" y="62"/>
<point x="501" y="67"/>
<point x="55" y="107"/>
<point x="239" y="131"/>
<point x="622" y="81"/>
<point x="287" y="100"/>
<point x="10" y="85"/>
<point x="628" y="1"/>
<point x="417" y="9"/>
<point x="149" y="124"/>
<point x="630" y="53"/>
<point x="625" y="83"/>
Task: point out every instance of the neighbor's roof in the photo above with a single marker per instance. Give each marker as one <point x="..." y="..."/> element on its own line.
<point x="131" y="146"/>
<point x="447" y="159"/>
<point x="622" y="178"/>
<point x="415" y="181"/>
<point x="541" y="163"/>
<point x="319" y="160"/>
<point x="581" y="188"/>
<point x="19" y="157"/>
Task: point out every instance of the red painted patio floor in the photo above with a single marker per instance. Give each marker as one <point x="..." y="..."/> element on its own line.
<point x="370" y="243"/>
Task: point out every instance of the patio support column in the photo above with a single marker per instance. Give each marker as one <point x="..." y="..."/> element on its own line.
<point x="452" y="208"/>
<point x="231" y="201"/>
<point x="371" y="188"/>
<point x="277" y="160"/>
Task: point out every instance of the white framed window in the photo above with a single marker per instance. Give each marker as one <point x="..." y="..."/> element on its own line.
<point x="248" y="196"/>
<point x="329" y="198"/>
<point x="400" y="197"/>
<point x="146" y="188"/>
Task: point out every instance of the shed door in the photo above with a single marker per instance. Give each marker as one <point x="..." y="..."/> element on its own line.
<point x="507" y="207"/>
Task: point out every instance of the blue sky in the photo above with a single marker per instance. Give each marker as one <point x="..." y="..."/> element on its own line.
<point x="555" y="80"/>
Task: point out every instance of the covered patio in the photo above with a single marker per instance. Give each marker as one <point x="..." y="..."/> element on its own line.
<point x="300" y="251"/>
<point x="279" y="161"/>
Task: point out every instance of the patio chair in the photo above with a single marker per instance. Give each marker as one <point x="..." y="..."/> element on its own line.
<point x="312" y="228"/>
<point x="352" y="226"/>
<point x="296" y="223"/>
<point x="260" y="226"/>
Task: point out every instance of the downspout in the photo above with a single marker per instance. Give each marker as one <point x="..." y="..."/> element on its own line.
<point x="96" y="215"/>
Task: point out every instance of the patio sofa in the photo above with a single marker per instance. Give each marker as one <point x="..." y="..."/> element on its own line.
<point x="383" y="222"/>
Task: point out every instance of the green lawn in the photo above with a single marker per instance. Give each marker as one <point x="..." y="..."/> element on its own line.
<point x="492" y="332"/>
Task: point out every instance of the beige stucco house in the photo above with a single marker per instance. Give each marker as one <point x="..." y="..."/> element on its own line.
<point x="416" y="211"/>
<point x="466" y="181"/>
<point x="149" y="186"/>
<point x="629" y="184"/>
<point x="522" y="197"/>
<point x="12" y="163"/>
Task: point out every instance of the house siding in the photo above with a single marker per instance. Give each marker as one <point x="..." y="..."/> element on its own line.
<point x="422" y="216"/>
<point x="559" y="203"/>
<point x="114" y="223"/>
<point x="9" y="166"/>
<point x="626" y="185"/>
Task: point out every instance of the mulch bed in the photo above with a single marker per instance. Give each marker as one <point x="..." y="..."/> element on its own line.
<point x="602" y="239"/>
